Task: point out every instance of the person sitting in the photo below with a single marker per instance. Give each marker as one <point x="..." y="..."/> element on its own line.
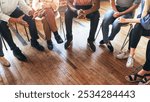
<point x="18" y="12"/>
<point x="135" y="35"/>
<point x="82" y="9"/>
<point x="3" y="60"/>
<point x="120" y="8"/>
<point x="46" y="9"/>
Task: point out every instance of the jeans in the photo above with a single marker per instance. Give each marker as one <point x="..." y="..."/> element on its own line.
<point x="94" y="19"/>
<point x="7" y="34"/>
<point x="109" y="19"/>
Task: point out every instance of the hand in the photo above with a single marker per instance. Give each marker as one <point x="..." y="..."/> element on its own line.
<point x="21" y="21"/>
<point x="31" y="13"/>
<point x="81" y="14"/>
<point x="116" y="14"/>
<point x="122" y="20"/>
<point x="35" y="14"/>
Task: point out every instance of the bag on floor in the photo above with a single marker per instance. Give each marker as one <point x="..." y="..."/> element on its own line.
<point x="145" y="22"/>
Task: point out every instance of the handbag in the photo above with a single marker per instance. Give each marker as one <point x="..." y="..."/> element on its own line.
<point x="145" y="22"/>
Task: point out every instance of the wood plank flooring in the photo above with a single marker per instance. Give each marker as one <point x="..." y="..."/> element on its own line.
<point x="75" y="66"/>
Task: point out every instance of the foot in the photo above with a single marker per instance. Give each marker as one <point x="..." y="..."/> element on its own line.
<point x="130" y="62"/>
<point x="67" y="44"/>
<point x="145" y="80"/>
<point x="19" y="55"/>
<point x="4" y="62"/>
<point x="110" y="47"/>
<point x="49" y="44"/>
<point x="58" y="39"/>
<point x="92" y="46"/>
<point x="123" y="55"/>
<point x="101" y="42"/>
<point x="36" y="45"/>
<point x="134" y="78"/>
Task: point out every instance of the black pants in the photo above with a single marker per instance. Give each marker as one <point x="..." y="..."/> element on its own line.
<point x="94" y="19"/>
<point x="1" y="47"/>
<point x="136" y="34"/>
<point x="146" y="66"/>
<point x="7" y="34"/>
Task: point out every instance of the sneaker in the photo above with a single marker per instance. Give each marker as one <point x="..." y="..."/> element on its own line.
<point x="92" y="46"/>
<point x="58" y="39"/>
<point x="4" y="62"/>
<point x="19" y="55"/>
<point x="49" y="44"/>
<point x="36" y="45"/>
<point x="123" y="55"/>
<point x="101" y="42"/>
<point x="130" y="62"/>
<point x="110" y="47"/>
<point x="67" y="44"/>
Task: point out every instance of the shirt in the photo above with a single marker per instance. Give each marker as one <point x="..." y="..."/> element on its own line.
<point x="7" y="7"/>
<point x="127" y="3"/>
<point x="82" y="2"/>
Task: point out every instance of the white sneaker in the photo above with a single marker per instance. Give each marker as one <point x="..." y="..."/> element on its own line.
<point x="123" y="55"/>
<point x="130" y="62"/>
<point x="4" y="62"/>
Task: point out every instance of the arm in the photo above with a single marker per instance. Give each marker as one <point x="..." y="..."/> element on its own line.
<point x="146" y="8"/>
<point x="70" y="5"/>
<point x="24" y="7"/>
<point x="112" y="3"/>
<point x="123" y="20"/>
<point x="3" y="16"/>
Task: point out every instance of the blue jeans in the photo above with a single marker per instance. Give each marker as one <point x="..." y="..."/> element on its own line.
<point x="109" y="19"/>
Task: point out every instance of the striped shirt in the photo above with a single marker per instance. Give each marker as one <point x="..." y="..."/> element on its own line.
<point x="127" y="3"/>
<point x="82" y="2"/>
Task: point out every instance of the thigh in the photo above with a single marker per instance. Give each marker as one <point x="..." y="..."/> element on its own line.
<point x="108" y="17"/>
<point x="17" y="13"/>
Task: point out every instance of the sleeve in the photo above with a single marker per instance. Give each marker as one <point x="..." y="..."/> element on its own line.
<point x="3" y="16"/>
<point x="36" y="5"/>
<point x="146" y="8"/>
<point x="24" y="7"/>
<point x="137" y="1"/>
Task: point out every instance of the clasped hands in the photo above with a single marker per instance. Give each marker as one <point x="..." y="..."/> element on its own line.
<point x="81" y="14"/>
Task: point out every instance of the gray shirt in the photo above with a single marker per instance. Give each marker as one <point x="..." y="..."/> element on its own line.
<point x="127" y="3"/>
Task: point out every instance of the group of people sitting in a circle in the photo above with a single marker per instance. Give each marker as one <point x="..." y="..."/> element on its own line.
<point x="122" y="13"/>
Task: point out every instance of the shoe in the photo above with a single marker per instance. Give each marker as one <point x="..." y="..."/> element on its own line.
<point x="49" y="44"/>
<point x="58" y="39"/>
<point x="130" y="62"/>
<point x="19" y="55"/>
<point x="36" y="45"/>
<point x="4" y="62"/>
<point x="123" y="55"/>
<point x="67" y="44"/>
<point x="92" y="46"/>
<point x="110" y="47"/>
<point x="101" y="42"/>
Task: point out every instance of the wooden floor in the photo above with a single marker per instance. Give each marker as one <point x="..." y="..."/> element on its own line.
<point x="75" y="66"/>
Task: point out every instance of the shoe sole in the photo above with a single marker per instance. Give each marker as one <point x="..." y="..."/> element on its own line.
<point x="90" y="48"/>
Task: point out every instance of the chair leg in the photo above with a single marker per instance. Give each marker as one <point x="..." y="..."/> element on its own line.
<point x="126" y="40"/>
<point x="26" y="33"/>
<point x="62" y="27"/>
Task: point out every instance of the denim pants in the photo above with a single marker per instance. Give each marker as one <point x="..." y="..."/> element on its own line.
<point x="7" y="34"/>
<point x="108" y="20"/>
<point x="94" y="19"/>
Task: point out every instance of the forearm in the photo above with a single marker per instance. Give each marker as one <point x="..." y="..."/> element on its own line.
<point x="131" y="9"/>
<point x="95" y="7"/>
<point x="113" y="5"/>
<point x="70" y="5"/>
<point x="132" y="21"/>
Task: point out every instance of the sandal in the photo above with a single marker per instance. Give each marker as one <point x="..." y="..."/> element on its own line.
<point x="145" y="80"/>
<point x="134" y="78"/>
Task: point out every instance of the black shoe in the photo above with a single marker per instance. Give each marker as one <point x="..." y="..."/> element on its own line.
<point x="19" y="55"/>
<point x="92" y="46"/>
<point x="110" y="47"/>
<point x="36" y="45"/>
<point x="58" y="39"/>
<point x="101" y="42"/>
<point x="67" y="44"/>
<point x="49" y="44"/>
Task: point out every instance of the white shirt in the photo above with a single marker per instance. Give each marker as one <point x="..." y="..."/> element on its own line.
<point x="7" y="7"/>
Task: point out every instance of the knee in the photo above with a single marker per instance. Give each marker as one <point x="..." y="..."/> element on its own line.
<point x="116" y="24"/>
